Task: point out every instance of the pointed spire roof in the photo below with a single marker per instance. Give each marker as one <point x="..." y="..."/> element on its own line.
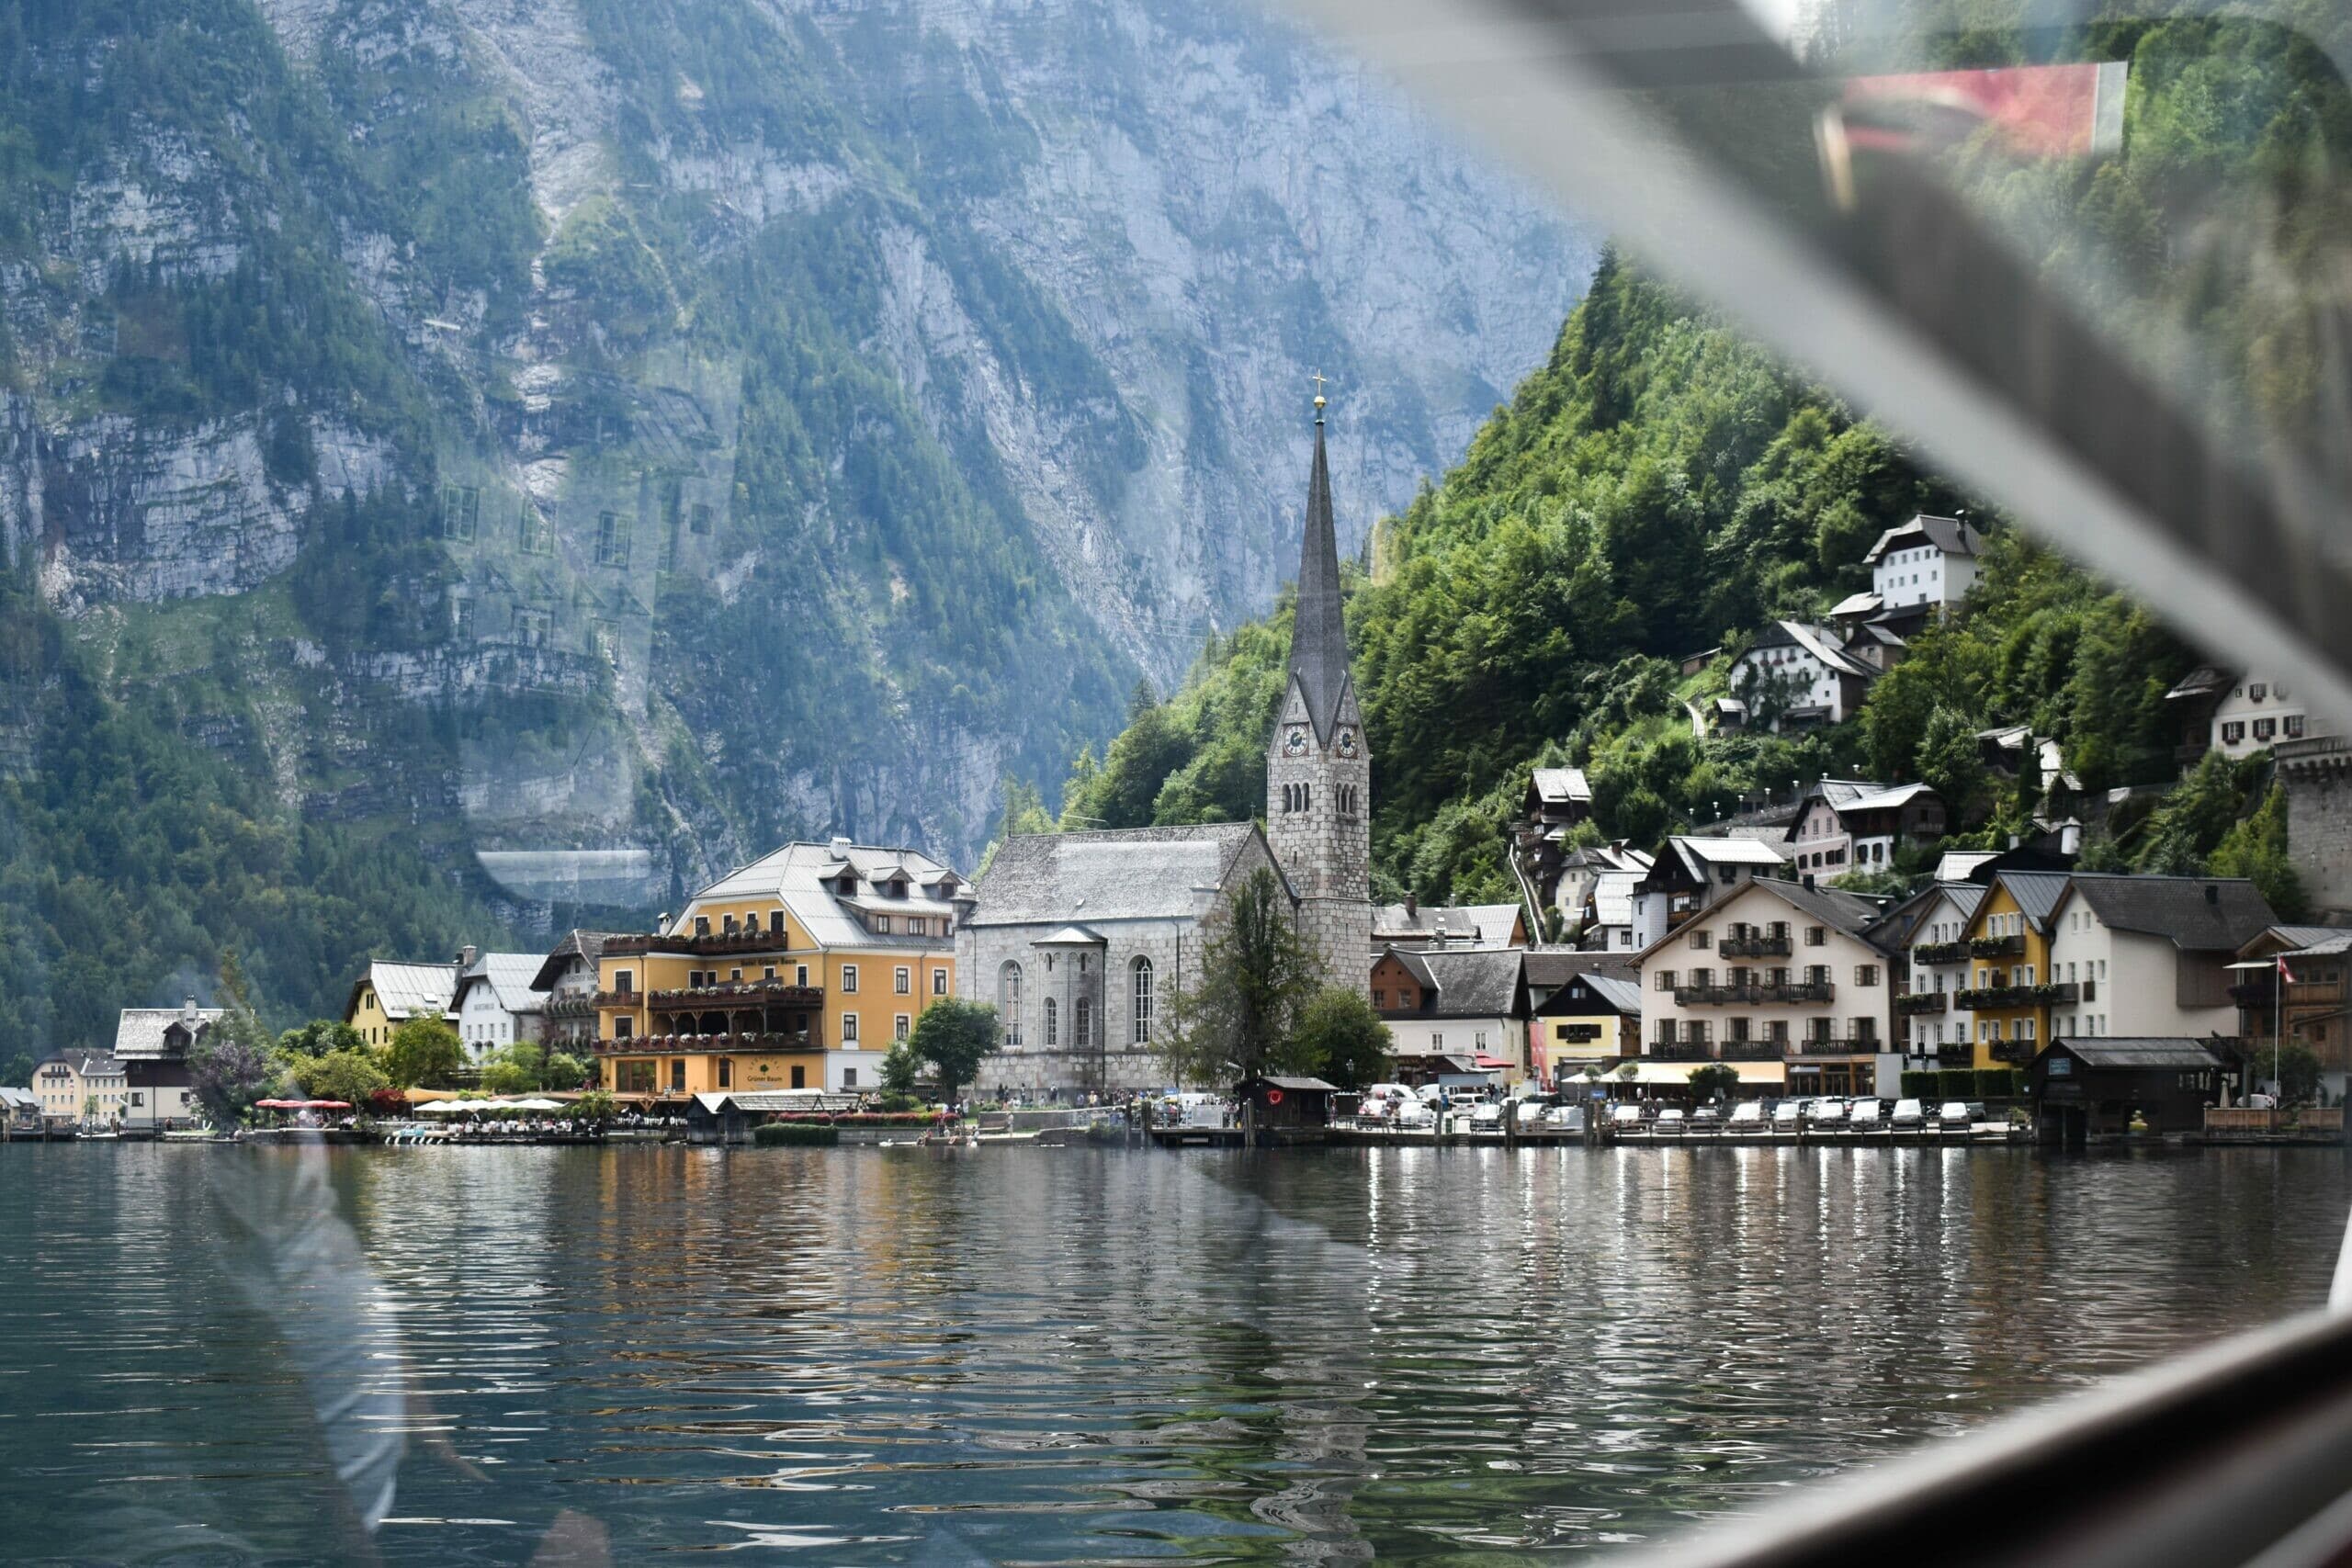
<point x="1319" y="638"/>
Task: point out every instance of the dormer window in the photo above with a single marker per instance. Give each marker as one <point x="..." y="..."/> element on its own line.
<point x="898" y="888"/>
<point x="847" y="886"/>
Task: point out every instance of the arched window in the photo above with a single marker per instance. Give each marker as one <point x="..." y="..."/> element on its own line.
<point x="1082" y="1023"/>
<point x="1140" y="973"/>
<point x="1008" y="1001"/>
<point x="1051" y="1023"/>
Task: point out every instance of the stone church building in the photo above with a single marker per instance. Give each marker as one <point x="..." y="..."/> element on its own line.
<point x="1078" y="938"/>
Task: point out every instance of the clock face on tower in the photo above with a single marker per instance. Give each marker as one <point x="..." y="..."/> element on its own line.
<point x="1347" y="742"/>
<point x="1294" y="740"/>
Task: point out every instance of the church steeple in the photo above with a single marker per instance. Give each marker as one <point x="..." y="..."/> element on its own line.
<point x="1319" y="638"/>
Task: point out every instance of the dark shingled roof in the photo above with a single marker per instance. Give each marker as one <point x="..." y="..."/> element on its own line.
<point x="1950" y="535"/>
<point x="1126" y="873"/>
<point x="2137" y="1052"/>
<point x="2197" y="914"/>
<point x="2037" y="892"/>
<point x="1319" y="638"/>
<point x="1558" y="965"/>
<point x="576" y="943"/>
<point x="1473" y="983"/>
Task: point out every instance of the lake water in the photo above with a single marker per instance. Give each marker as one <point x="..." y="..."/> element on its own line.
<point x="1060" y="1356"/>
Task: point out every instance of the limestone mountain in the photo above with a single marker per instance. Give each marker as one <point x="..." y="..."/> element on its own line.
<point x="664" y="428"/>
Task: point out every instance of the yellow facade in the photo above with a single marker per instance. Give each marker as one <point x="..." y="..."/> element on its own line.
<point x="366" y="1013"/>
<point x="738" y="994"/>
<point x="2009" y="956"/>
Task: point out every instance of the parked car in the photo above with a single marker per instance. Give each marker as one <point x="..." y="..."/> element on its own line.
<point x="1953" y="1114"/>
<point x="1908" y="1113"/>
<point x="1825" y="1112"/>
<point x="1785" y="1115"/>
<point x="1487" y="1116"/>
<point x="1382" y="1100"/>
<point x="1628" y="1114"/>
<point x="1412" y="1111"/>
<point x="1569" y="1113"/>
<point x="1866" y="1113"/>
<point x="1707" y="1116"/>
<point x="1671" y="1120"/>
<point x="1747" y="1116"/>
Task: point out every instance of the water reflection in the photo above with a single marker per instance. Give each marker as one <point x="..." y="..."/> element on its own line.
<point x="1069" y="1356"/>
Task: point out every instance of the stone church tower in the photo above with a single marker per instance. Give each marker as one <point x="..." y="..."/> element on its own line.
<point x="1319" y="769"/>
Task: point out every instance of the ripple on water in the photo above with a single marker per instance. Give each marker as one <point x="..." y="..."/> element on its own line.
<point x="1092" y="1356"/>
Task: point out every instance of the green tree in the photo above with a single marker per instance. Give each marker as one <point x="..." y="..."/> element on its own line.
<point x="518" y="1068"/>
<point x="564" y="1071"/>
<point x="17" y="1072"/>
<point x="2298" y="1070"/>
<point x="2256" y="848"/>
<point x="1714" y="1080"/>
<point x="425" y="1053"/>
<point x="1255" y="979"/>
<point x="318" y="1037"/>
<point x="1341" y="1039"/>
<point x="955" y="1036"/>
<point x="232" y="1064"/>
<point x="902" y="1069"/>
<point x="596" y="1105"/>
<point x="351" y="1073"/>
<point x="1950" y="762"/>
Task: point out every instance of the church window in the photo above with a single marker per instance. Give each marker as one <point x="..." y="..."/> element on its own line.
<point x="1141" y="972"/>
<point x="612" y="539"/>
<point x="1082" y="1023"/>
<point x="1008" y="1001"/>
<point x="1053" y="1023"/>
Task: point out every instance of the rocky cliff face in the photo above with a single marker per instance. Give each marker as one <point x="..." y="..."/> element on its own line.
<point x="663" y="428"/>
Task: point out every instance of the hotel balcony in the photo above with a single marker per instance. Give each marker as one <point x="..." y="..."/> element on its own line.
<point x="2019" y="1052"/>
<point x="1755" y="946"/>
<point x="1835" y="1047"/>
<point x="1678" y="1051"/>
<point x="1931" y="954"/>
<point x="719" y="942"/>
<point x="571" y="1004"/>
<point x="1755" y="993"/>
<point x="1998" y="947"/>
<point x="2018" y="996"/>
<point x="696" y="1044"/>
<point x="760" y="993"/>
<point x="1754" y="1050"/>
<point x="1918" y="1002"/>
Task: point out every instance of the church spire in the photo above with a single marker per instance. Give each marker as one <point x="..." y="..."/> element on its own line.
<point x="1319" y="638"/>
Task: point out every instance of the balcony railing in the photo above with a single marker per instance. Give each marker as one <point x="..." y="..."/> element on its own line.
<point x="736" y="992"/>
<point x="1679" y="1050"/>
<point x="630" y="943"/>
<point x="571" y="1004"/>
<point x="2018" y="1051"/>
<point x="1949" y="1056"/>
<point x="1755" y="993"/>
<point x="1922" y="1001"/>
<point x="1862" y="1046"/>
<point x="1754" y="1050"/>
<point x="1932" y="954"/>
<point x="674" y="1045"/>
<point x="2062" y="994"/>
<point x="1998" y="947"/>
<point x="1755" y="946"/>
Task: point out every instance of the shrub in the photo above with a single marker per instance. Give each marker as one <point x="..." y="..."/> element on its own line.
<point x="1956" y="1083"/>
<point x="1919" y="1084"/>
<point x="796" y="1135"/>
<point x="1998" y="1083"/>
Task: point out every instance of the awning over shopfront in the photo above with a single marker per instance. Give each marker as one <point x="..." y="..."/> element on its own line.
<point x="1677" y="1075"/>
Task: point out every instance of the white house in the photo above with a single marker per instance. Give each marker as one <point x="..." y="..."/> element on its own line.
<point x="2255" y="715"/>
<point x="496" y="1003"/>
<point x="1780" y="982"/>
<point x="1855" y="825"/>
<point x="567" y="980"/>
<point x="1693" y="871"/>
<point x="2148" y="955"/>
<point x="1929" y="1019"/>
<point x="1797" y="674"/>
<point x="1927" y="563"/>
<point x="1474" y="1005"/>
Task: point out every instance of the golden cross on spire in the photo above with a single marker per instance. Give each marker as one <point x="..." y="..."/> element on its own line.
<point x="1318" y="378"/>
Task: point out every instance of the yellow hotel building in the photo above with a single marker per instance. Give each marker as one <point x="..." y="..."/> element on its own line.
<point x="2008" y="988"/>
<point x="798" y="971"/>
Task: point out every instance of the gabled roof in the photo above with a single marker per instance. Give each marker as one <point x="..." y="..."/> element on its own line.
<point x="410" y="990"/>
<point x="2205" y="681"/>
<point x="1950" y="535"/>
<point x="1482" y="925"/>
<point x="2156" y="1052"/>
<point x="805" y="878"/>
<point x="1818" y="641"/>
<point x="2329" y="946"/>
<point x="2037" y="892"/>
<point x="584" y="945"/>
<point x="1953" y="865"/>
<point x="1071" y="936"/>
<point x="510" y="976"/>
<point x="1888" y="799"/>
<point x="1612" y="896"/>
<point x="2196" y="914"/>
<point x="87" y="1063"/>
<point x="1119" y="874"/>
<point x="1612" y="992"/>
<point x="1477" y="983"/>
<point x="1411" y="961"/>
<point x="1848" y="912"/>
<point x="140" y="1032"/>
<point x="1730" y="849"/>
<point x="1561" y="786"/>
<point x="1552" y="967"/>
<point x="1861" y="603"/>
<point x="1318" y="637"/>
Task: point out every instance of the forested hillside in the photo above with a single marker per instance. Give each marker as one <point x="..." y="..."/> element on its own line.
<point x="1659" y="489"/>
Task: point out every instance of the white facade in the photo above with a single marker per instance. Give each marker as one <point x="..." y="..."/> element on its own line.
<point x="2127" y="982"/>
<point x="1946" y="926"/>
<point x="1922" y="574"/>
<point x="2256" y="715"/>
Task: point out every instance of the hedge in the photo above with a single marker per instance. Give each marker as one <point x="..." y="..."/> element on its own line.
<point x="1919" y="1084"/>
<point x="1998" y="1083"/>
<point x="796" y="1135"/>
<point x="1956" y="1083"/>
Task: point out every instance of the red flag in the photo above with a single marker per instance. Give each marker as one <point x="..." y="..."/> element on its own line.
<point x="2285" y="973"/>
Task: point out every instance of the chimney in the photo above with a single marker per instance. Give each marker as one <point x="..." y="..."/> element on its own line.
<point x="1806" y="879"/>
<point x="2070" y="838"/>
<point x="1413" y="907"/>
<point x="840" y="844"/>
<point x="467" y="954"/>
<point x="189" y="1014"/>
<point x="2013" y="840"/>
